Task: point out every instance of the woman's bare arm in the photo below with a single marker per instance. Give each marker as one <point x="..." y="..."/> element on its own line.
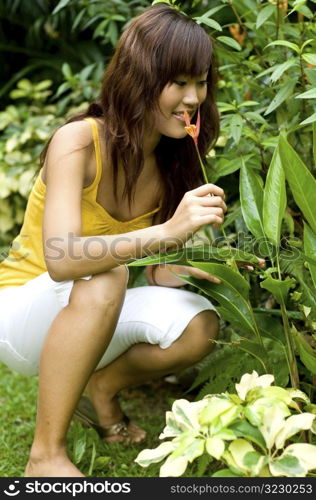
<point x="68" y="254"/>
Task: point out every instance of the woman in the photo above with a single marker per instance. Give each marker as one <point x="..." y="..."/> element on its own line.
<point x="117" y="183"/>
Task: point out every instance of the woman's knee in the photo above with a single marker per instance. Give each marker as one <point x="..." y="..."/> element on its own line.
<point x="199" y="336"/>
<point x="103" y="291"/>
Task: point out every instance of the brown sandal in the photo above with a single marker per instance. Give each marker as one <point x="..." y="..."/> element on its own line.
<point x="86" y="414"/>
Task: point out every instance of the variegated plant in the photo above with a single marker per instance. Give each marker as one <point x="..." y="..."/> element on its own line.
<point x="254" y="433"/>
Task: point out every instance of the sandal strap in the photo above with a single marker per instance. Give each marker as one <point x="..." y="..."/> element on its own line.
<point x="118" y="429"/>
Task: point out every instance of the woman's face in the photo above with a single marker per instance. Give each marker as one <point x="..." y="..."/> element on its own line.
<point x="184" y="93"/>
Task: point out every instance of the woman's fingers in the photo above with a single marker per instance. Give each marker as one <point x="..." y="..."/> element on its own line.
<point x="198" y="273"/>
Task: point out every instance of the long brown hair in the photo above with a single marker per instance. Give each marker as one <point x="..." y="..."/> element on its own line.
<point x="157" y="46"/>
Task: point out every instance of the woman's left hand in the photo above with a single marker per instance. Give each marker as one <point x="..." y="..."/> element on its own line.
<point x="194" y="272"/>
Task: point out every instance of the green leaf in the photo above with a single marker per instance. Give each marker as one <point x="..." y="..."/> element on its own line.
<point x="226" y="274"/>
<point x="274" y="199"/>
<point x="310" y="58"/>
<point x="231" y="42"/>
<point x="251" y="200"/>
<point x="285" y="91"/>
<point x="234" y="306"/>
<point x="284" y="43"/>
<point x="256" y="350"/>
<point x="215" y="447"/>
<point x="309" y="94"/>
<point x="301" y="181"/>
<point x="281" y="68"/>
<point x="236" y="126"/>
<point x="288" y="466"/>
<point x="60" y="5"/>
<point x="278" y="288"/>
<point x="310" y="119"/>
<point x="314" y="143"/>
<point x="146" y="457"/>
<point x="225" y="473"/>
<point x="293" y="425"/>
<point x="244" y="429"/>
<point x="264" y="14"/>
<point x="198" y="253"/>
<point x="209" y="22"/>
<point x="306" y="353"/>
<point x="310" y="249"/>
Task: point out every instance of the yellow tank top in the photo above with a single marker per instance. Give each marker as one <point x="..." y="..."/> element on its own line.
<point x="26" y="260"/>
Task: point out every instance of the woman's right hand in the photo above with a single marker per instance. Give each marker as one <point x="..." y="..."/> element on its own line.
<point x="200" y="206"/>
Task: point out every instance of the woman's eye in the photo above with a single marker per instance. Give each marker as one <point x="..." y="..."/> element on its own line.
<point x="180" y="83"/>
<point x="203" y="83"/>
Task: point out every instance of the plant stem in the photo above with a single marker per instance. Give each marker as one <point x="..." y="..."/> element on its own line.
<point x="206" y="180"/>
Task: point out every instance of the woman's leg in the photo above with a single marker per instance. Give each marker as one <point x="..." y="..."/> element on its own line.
<point x="143" y="362"/>
<point x="76" y="341"/>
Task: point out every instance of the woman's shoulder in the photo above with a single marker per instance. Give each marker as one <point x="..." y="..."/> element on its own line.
<point x="74" y="134"/>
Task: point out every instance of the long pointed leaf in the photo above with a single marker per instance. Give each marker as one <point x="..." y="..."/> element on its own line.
<point x="301" y="181"/>
<point x="198" y="253"/>
<point x="310" y="249"/>
<point x="274" y="199"/>
<point x="226" y="274"/>
<point x="251" y="200"/>
<point x="231" y="301"/>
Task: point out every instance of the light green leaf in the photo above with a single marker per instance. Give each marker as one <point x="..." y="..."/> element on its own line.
<point x="214" y="409"/>
<point x="288" y="466"/>
<point x="186" y="413"/>
<point x="171" y="429"/>
<point x="251" y="199"/>
<point x="146" y="457"/>
<point x="238" y="449"/>
<point x="173" y="467"/>
<point x="310" y="119"/>
<point x="292" y="425"/>
<point x="251" y="380"/>
<point x="309" y="94"/>
<point x="305" y="453"/>
<point x="226" y="274"/>
<point x="301" y="181"/>
<point x="310" y="58"/>
<point x="278" y="288"/>
<point x="264" y="14"/>
<point x="281" y="68"/>
<point x="225" y="473"/>
<point x="60" y="5"/>
<point x="209" y="22"/>
<point x="314" y="142"/>
<point x="284" y="43"/>
<point x="215" y="447"/>
<point x="306" y="352"/>
<point x="273" y="422"/>
<point x="231" y="42"/>
<point x="236" y="125"/>
<point x="310" y="249"/>
<point x="284" y="92"/>
<point x="274" y="199"/>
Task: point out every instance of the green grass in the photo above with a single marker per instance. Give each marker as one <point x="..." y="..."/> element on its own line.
<point x="146" y="405"/>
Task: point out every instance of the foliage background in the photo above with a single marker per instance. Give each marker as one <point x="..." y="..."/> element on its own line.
<point x="53" y="54"/>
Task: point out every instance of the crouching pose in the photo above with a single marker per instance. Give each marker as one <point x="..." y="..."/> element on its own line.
<point x="117" y="183"/>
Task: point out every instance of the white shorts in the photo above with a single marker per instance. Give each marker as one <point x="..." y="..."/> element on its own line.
<point x="152" y="314"/>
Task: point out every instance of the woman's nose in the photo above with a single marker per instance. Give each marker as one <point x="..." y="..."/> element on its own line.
<point x="191" y="96"/>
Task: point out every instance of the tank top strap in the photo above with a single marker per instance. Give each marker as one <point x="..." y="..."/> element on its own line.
<point x="97" y="149"/>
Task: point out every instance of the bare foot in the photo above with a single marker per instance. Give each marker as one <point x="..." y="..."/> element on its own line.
<point x="57" y="467"/>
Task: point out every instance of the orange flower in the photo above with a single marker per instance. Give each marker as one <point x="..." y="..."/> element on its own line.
<point x="191" y="129"/>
